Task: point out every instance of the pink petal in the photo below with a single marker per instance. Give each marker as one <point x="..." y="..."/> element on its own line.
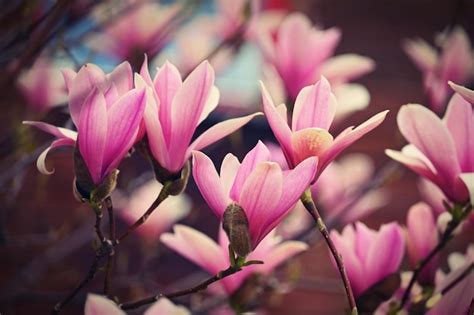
<point x="459" y="119"/>
<point x="425" y="130"/>
<point x="166" y="307"/>
<point x="68" y="76"/>
<point x="167" y="83"/>
<point x="211" y="103"/>
<point x="413" y="162"/>
<point x="421" y="53"/>
<point x="385" y="253"/>
<point x="467" y="94"/>
<point x="124" y="118"/>
<point x="187" y="107"/>
<point x="41" y="162"/>
<point x="343" y="68"/>
<point x="99" y="305"/>
<point x="299" y="179"/>
<point x="229" y="168"/>
<point x="209" y="183"/>
<point x="456" y="59"/>
<point x="348" y="137"/>
<point x="58" y="132"/>
<point x="93" y="133"/>
<point x="260" y="197"/>
<point x="88" y="77"/>
<point x="197" y="247"/>
<point x="278" y="124"/>
<point x="144" y="73"/>
<point x="468" y="180"/>
<point x="220" y="130"/>
<point x="280" y="254"/>
<point x="122" y="77"/>
<point x="313" y="108"/>
<point x="257" y="155"/>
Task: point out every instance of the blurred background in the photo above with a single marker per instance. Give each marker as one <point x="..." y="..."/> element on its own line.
<point x="46" y="234"/>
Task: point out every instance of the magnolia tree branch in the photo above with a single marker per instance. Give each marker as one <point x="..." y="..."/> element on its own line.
<point x="447" y="236"/>
<point x="202" y="286"/>
<point x="164" y="193"/>
<point x="110" y="259"/>
<point x="308" y="203"/>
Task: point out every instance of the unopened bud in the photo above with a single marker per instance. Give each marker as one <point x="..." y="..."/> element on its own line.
<point x="236" y="226"/>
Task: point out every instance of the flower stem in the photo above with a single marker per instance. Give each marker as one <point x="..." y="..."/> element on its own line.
<point x="446" y="237"/>
<point x="308" y="203"/>
<point x="202" y="286"/>
<point x="164" y="193"/>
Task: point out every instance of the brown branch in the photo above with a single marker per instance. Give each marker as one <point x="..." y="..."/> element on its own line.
<point x="161" y="197"/>
<point x="202" y="286"/>
<point x="458" y="279"/>
<point x="110" y="258"/>
<point x="308" y="203"/>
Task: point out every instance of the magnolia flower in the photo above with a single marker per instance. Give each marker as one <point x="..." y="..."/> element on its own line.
<point x="171" y="210"/>
<point x="313" y="114"/>
<point x="142" y="29"/>
<point x="459" y="298"/>
<point x="369" y="255"/>
<point x="421" y="238"/>
<point x="99" y="305"/>
<point x="107" y="113"/>
<point x="260" y="187"/>
<point x="174" y="110"/>
<point x="43" y="85"/>
<point x="302" y="53"/>
<point x="440" y="150"/>
<point x="214" y="257"/>
<point x="453" y="63"/>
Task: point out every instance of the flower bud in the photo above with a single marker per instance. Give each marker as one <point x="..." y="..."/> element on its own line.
<point x="236" y="226"/>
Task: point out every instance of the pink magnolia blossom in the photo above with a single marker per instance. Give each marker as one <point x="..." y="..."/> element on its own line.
<point x="107" y="113"/>
<point x="454" y="62"/>
<point x="171" y="210"/>
<point x="369" y="255"/>
<point x="257" y="185"/>
<point x="421" y="238"/>
<point x="301" y="53"/>
<point x="214" y="257"/>
<point x="174" y="110"/>
<point x="440" y="150"/>
<point x="459" y="298"/>
<point x="143" y="29"/>
<point x="43" y="85"/>
<point x="309" y="135"/>
<point x="99" y="305"/>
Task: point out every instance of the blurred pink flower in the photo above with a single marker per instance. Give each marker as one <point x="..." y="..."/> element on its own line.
<point x="454" y="62"/>
<point x="440" y="150"/>
<point x="459" y="298"/>
<point x="421" y="238"/>
<point x="107" y="113"/>
<point x="171" y="210"/>
<point x="313" y="115"/>
<point x="143" y="29"/>
<point x="369" y="255"/>
<point x="214" y="257"/>
<point x="100" y="305"/>
<point x="259" y="186"/>
<point x="174" y="110"/>
<point x="43" y="85"/>
<point x="301" y="53"/>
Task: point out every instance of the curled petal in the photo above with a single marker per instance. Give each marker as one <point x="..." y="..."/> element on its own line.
<point x="41" y="162"/>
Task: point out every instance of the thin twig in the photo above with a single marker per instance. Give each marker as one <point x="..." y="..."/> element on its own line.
<point x="110" y="259"/>
<point x="447" y="236"/>
<point x="202" y="286"/>
<point x="308" y="203"/>
<point x="458" y="279"/>
<point x="161" y="197"/>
